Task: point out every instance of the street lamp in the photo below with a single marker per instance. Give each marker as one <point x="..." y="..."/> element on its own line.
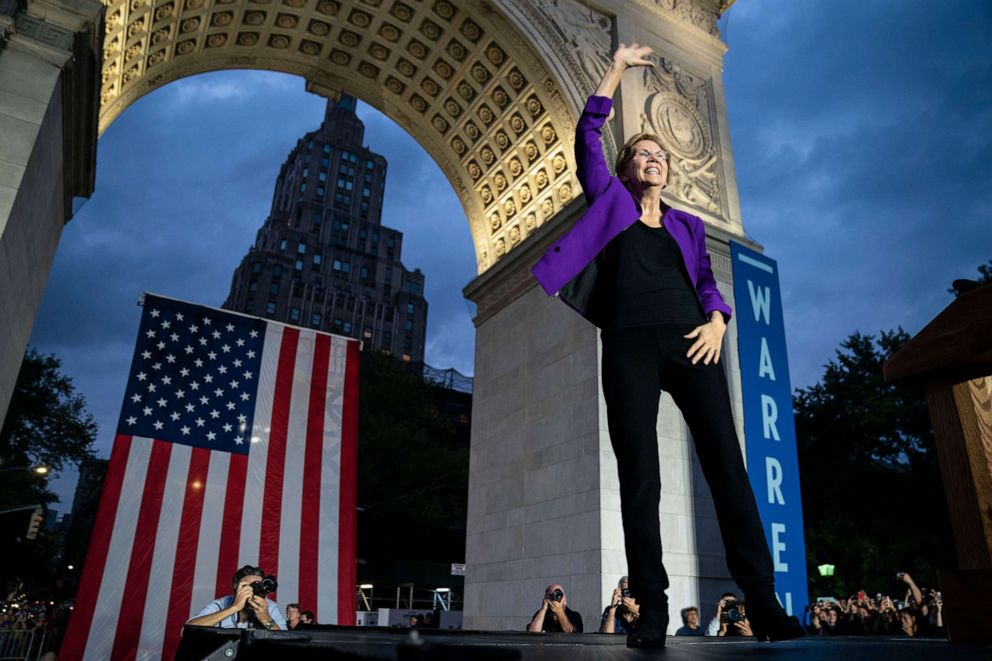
<point x="37" y="470"/>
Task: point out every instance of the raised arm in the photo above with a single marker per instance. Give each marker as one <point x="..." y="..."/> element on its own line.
<point x="624" y="58"/>
<point x="593" y="172"/>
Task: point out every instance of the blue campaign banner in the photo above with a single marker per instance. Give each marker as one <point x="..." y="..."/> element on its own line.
<point x="769" y="426"/>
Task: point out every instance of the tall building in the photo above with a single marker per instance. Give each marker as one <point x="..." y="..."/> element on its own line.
<point x="323" y="259"/>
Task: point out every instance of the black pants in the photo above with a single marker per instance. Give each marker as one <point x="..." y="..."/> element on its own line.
<point x="638" y="363"/>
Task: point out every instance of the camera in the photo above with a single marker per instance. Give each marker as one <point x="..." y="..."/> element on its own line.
<point x="731" y="612"/>
<point x="557" y="595"/>
<point x="265" y="586"/>
<point x="625" y="592"/>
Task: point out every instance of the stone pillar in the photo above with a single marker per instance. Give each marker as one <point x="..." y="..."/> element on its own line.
<point x="48" y="109"/>
<point x="544" y="503"/>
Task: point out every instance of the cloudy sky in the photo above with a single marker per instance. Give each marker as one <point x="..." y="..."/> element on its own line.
<point x="862" y="135"/>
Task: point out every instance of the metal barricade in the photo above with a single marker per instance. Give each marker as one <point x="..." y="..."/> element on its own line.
<point x="27" y="645"/>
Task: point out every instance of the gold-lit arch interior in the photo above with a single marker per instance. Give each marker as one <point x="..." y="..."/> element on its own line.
<point x="457" y="76"/>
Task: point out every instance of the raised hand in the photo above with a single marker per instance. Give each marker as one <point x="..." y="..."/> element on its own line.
<point x="633" y="55"/>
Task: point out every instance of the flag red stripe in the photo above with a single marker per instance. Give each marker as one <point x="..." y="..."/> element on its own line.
<point x="74" y="643"/>
<point x="230" y="533"/>
<point x="145" y="536"/>
<point x="186" y="547"/>
<point x="310" y="510"/>
<point x="348" y="517"/>
<point x="275" y="463"/>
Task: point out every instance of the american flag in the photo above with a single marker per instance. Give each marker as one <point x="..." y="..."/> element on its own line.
<point x="237" y="444"/>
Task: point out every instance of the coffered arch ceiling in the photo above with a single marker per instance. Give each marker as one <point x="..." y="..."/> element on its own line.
<point x="457" y="75"/>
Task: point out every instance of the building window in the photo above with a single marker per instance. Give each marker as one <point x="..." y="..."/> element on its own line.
<point x="408" y="326"/>
<point x="366" y="191"/>
<point x="270" y="307"/>
<point x="256" y="267"/>
<point x="340" y="265"/>
<point x="274" y="288"/>
<point x="301" y="248"/>
<point x="364" y="211"/>
<point x="317" y="220"/>
<point x="306" y="172"/>
<point x="309" y="144"/>
<point x="299" y="265"/>
<point x="375" y="237"/>
<point x="282" y="245"/>
<point x="324" y="162"/>
<point x="276" y="271"/>
<point x="253" y="285"/>
<point x="322" y="176"/>
<point x="409" y="308"/>
<point x="369" y="165"/>
<point x="294" y="314"/>
<point x="303" y="187"/>
<point x="316" y="259"/>
<point x="327" y="149"/>
<point x="365" y="273"/>
<point x="320" y="191"/>
<point x="391" y="242"/>
<point x="346" y="327"/>
<point x="315" y="320"/>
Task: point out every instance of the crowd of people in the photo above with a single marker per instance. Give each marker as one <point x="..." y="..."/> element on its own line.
<point x="915" y="612"/>
<point x="24" y="609"/>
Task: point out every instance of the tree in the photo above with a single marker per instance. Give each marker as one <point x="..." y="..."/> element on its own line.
<point x="46" y="424"/>
<point x="873" y="500"/>
<point x="412" y="471"/>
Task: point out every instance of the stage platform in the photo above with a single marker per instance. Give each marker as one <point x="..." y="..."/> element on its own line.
<point x="359" y="643"/>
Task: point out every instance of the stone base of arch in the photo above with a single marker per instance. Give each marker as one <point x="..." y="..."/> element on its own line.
<point x="544" y="502"/>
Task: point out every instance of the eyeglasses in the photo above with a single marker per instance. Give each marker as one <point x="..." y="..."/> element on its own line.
<point x="661" y="155"/>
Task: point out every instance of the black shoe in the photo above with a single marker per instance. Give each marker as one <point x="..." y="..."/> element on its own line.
<point x="650" y="633"/>
<point x="768" y="619"/>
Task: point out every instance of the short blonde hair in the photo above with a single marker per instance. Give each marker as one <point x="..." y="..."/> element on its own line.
<point x="627" y="151"/>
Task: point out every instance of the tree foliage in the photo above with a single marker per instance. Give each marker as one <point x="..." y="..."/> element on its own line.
<point x="412" y="473"/>
<point x="46" y="424"/>
<point x="873" y="500"/>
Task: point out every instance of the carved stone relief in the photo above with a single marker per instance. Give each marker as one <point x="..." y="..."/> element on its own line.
<point x="585" y="33"/>
<point x="677" y="109"/>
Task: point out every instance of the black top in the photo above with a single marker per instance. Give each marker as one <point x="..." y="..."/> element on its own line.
<point x="644" y="280"/>
<point x="551" y="624"/>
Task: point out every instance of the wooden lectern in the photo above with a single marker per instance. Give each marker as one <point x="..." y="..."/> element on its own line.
<point x="952" y="358"/>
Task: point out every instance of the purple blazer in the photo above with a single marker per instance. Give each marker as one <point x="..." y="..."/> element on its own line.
<point x="568" y="268"/>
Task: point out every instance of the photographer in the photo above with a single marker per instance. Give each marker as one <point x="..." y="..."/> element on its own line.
<point x="622" y="614"/>
<point x="247" y="607"/>
<point x="554" y="615"/>
<point x="713" y="629"/>
<point x="734" y="620"/>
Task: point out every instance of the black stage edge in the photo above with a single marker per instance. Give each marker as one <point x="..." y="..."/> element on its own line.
<point x="360" y="643"/>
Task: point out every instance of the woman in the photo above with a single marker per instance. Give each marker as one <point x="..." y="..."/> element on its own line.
<point x="639" y="270"/>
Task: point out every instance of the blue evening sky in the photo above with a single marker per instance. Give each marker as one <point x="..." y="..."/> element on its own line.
<point x="862" y="138"/>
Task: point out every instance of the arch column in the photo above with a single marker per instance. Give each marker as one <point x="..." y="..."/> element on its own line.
<point x="48" y="109"/>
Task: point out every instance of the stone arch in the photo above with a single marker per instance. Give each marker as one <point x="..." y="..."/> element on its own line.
<point x="466" y="84"/>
